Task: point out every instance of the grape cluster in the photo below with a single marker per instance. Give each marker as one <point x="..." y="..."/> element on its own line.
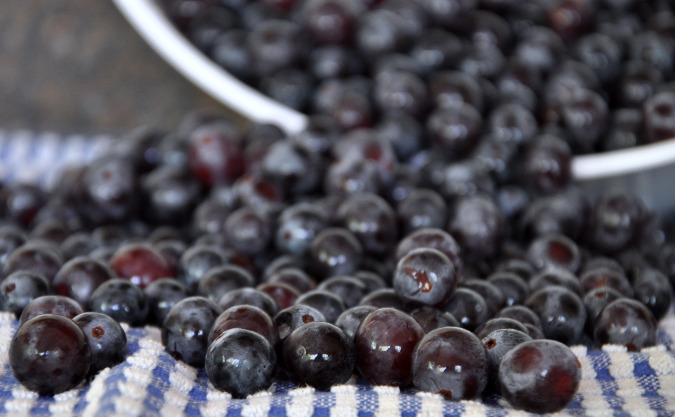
<point x="321" y="255"/>
<point x="465" y="75"/>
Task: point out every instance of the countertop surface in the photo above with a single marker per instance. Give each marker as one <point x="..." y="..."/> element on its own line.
<point x="77" y="66"/>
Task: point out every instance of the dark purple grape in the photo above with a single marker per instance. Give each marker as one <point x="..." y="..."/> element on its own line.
<point x="478" y="226"/>
<point x="20" y="202"/>
<point x="433" y="238"/>
<point x="77" y="244"/>
<point x="492" y="294"/>
<point x="468" y="307"/>
<point x="601" y="276"/>
<point x="108" y="190"/>
<point x="539" y="376"/>
<point x="11" y="238"/>
<point x="291" y="87"/>
<point x="514" y="288"/>
<point x="626" y="322"/>
<point x="371" y="220"/>
<point x="240" y="362"/>
<point x="421" y="209"/>
<point x="521" y="314"/>
<point x="171" y="194"/>
<point x="248" y="231"/>
<point x="283" y="295"/>
<point x="49" y="354"/>
<point x="334" y="251"/>
<point x="431" y="318"/>
<point x="379" y="32"/>
<point x="386" y="297"/>
<point x="450" y="14"/>
<point x="554" y="250"/>
<point x="79" y="277"/>
<point x="350" y="319"/>
<point x="561" y="312"/>
<point x="214" y="153"/>
<point x="520" y="267"/>
<point x="329" y="21"/>
<point x="185" y="329"/>
<point x="349" y="289"/>
<point x="244" y="317"/>
<point x="197" y="261"/>
<point x="450" y="361"/>
<point x="497" y="323"/>
<point x="455" y="131"/>
<point x="541" y="49"/>
<point x="595" y="301"/>
<point x="389" y="86"/>
<point x="122" y="300"/>
<point x="295" y="316"/>
<point x="565" y="212"/>
<point x="512" y="123"/>
<point x="329" y="304"/>
<point x="384" y="343"/>
<point x="38" y="257"/>
<point x="654" y="290"/>
<point x="487" y="61"/>
<point x="19" y="288"/>
<point x="490" y="29"/>
<point x="162" y="294"/>
<point x="497" y="343"/>
<point x="106" y="338"/>
<point x="297" y="226"/>
<point x="548" y="164"/>
<point x="463" y="178"/>
<point x="658" y="114"/>
<point x="425" y="276"/>
<point x="556" y="276"/>
<point x="319" y="354"/>
<point x="50" y="304"/>
<point x="248" y="296"/>
<point x="218" y="280"/>
<point x="295" y="277"/>
<point x="607" y="235"/>
<point x="651" y="48"/>
<point x="140" y="264"/>
<point x="452" y="89"/>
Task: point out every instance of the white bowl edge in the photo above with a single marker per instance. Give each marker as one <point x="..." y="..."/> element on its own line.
<point x="150" y="22"/>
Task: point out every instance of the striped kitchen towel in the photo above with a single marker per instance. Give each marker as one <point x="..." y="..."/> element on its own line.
<point x="152" y="383"/>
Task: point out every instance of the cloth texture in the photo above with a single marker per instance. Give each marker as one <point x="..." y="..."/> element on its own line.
<point x="152" y="383"/>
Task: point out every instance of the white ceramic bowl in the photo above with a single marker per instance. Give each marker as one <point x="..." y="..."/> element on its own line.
<point x="648" y="171"/>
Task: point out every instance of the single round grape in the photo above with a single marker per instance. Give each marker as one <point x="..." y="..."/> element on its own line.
<point x="51" y="304"/>
<point x="106" y="338"/>
<point x="79" y="277"/>
<point x="21" y="287"/>
<point x="497" y="343"/>
<point x="241" y="362"/>
<point x="561" y="312"/>
<point x="319" y="354"/>
<point x="384" y="343"/>
<point x="122" y="300"/>
<point x="185" y="329"/>
<point x="539" y="376"/>
<point x="626" y="322"/>
<point x="450" y="361"/>
<point x="425" y="276"/>
<point x="244" y="317"/>
<point x="49" y="354"/>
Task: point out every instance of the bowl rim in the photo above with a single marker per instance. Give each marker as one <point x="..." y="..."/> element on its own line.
<point x="147" y="18"/>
